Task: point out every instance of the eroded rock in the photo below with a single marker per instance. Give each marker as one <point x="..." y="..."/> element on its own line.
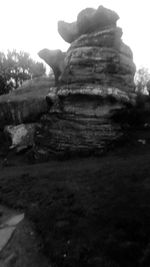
<point x="83" y="123"/>
<point x="22" y="135"/>
<point x="95" y="64"/>
<point x="96" y="84"/>
<point x="94" y="81"/>
<point x="90" y="19"/>
<point x="55" y="59"/>
<point x="68" y="31"/>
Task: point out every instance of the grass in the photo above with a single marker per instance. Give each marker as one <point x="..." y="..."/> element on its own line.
<point x="92" y="211"/>
<point x="38" y="87"/>
<point x="88" y="212"/>
<point x="25" y="105"/>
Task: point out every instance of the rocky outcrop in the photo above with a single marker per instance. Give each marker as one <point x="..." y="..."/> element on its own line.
<point x="55" y="59"/>
<point x="97" y="83"/>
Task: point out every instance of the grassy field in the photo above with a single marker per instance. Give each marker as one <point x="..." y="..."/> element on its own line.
<point x="38" y="87"/>
<point x="88" y="211"/>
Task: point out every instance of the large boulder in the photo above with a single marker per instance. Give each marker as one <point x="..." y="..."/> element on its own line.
<point x="55" y="59"/>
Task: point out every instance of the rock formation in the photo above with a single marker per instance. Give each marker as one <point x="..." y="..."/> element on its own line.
<point x="88" y="20"/>
<point x="55" y="59"/>
<point x="91" y="20"/>
<point x="22" y="135"/>
<point x="68" y="31"/>
<point x="96" y="83"/>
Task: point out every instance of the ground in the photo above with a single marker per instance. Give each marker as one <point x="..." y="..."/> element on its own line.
<point x="92" y="211"/>
<point x="23" y="248"/>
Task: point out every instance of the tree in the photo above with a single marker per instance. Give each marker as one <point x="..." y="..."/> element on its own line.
<point x="17" y="67"/>
<point x="5" y="83"/>
<point x="37" y="69"/>
<point x="142" y="80"/>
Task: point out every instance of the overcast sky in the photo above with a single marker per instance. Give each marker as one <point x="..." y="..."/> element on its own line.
<point x="31" y="25"/>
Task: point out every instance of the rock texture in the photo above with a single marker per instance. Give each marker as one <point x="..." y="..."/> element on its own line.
<point x="88" y="20"/>
<point x="82" y="124"/>
<point x="22" y="135"/>
<point x="55" y="59"/>
<point x="68" y="31"/>
<point x="91" y="20"/>
<point x="96" y="83"/>
<point x="100" y="57"/>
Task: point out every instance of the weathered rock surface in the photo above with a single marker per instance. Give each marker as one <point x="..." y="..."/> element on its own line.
<point x="90" y="90"/>
<point x="55" y="59"/>
<point x="88" y="20"/>
<point x="100" y="57"/>
<point x="68" y="31"/>
<point x="96" y="83"/>
<point x="104" y="65"/>
<point x="110" y="38"/>
<point x="83" y="122"/>
<point x="22" y="135"/>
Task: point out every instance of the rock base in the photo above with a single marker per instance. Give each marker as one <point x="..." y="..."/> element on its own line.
<point x="81" y="123"/>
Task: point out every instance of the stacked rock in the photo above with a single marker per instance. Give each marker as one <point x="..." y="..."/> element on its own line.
<point x="98" y="55"/>
<point x="96" y="82"/>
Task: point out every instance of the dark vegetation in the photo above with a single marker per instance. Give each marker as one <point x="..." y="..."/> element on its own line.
<point x="88" y="212"/>
<point x="92" y="211"/>
<point x="17" y="67"/>
<point x="142" y="80"/>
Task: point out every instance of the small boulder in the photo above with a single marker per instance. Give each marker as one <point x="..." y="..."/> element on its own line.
<point x="22" y="135"/>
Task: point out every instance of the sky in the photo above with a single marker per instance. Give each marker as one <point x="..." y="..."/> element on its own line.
<point x="31" y="25"/>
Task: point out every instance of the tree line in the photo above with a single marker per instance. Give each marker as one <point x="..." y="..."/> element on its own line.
<point x="17" y="67"/>
<point x="142" y="81"/>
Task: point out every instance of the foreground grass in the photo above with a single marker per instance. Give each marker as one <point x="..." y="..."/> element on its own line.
<point x="88" y="212"/>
